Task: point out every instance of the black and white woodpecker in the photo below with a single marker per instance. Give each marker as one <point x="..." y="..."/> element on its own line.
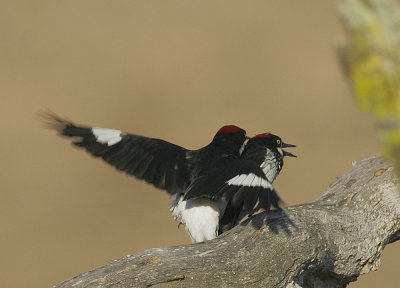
<point x="165" y="165"/>
<point x="235" y="187"/>
<point x="213" y="186"/>
<point x="266" y="149"/>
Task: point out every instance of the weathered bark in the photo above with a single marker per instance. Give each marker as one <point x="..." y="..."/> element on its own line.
<point x="327" y="243"/>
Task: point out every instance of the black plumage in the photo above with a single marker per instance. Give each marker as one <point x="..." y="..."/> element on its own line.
<point x="244" y="183"/>
<point x="165" y="165"/>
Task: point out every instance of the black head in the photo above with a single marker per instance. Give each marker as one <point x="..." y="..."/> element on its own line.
<point x="266" y="150"/>
<point x="231" y="138"/>
<point x="272" y="142"/>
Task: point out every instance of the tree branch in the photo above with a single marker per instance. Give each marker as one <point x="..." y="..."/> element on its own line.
<point x="327" y="243"/>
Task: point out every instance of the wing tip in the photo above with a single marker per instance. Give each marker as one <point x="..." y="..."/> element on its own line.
<point x="51" y="120"/>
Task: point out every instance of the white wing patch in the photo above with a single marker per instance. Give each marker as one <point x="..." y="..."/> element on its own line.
<point x="107" y="136"/>
<point x="249" y="180"/>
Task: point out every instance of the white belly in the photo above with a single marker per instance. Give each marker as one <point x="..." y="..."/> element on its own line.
<point x="200" y="217"/>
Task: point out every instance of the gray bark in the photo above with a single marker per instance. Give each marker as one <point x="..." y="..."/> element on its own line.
<point x="327" y="243"/>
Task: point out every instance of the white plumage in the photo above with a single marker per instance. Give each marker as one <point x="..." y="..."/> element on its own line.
<point x="249" y="180"/>
<point x="199" y="215"/>
<point x="107" y="136"/>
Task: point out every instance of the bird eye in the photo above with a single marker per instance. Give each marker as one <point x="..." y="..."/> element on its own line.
<point x="278" y="142"/>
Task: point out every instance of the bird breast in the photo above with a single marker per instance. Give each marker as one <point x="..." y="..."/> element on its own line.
<point x="271" y="166"/>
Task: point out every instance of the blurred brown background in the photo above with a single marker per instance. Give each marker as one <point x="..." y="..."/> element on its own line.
<point x="176" y="70"/>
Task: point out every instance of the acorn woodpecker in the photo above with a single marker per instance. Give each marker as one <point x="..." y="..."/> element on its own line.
<point x="234" y="188"/>
<point x="266" y="150"/>
<point x="165" y="165"/>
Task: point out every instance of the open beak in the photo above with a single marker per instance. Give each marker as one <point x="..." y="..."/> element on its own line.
<point x="285" y="153"/>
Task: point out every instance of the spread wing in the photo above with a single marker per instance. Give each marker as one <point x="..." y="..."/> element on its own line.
<point x="156" y="161"/>
<point x="241" y="183"/>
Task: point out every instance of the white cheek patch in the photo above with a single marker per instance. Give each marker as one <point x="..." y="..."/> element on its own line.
<point x="107" y="136"/>
<point x="280" y="151"/>
<point x="242" y="148"/>
<point x="249" y="180"/>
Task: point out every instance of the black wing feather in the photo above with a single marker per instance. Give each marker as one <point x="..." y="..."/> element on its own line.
<point x="156" y="161"/>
